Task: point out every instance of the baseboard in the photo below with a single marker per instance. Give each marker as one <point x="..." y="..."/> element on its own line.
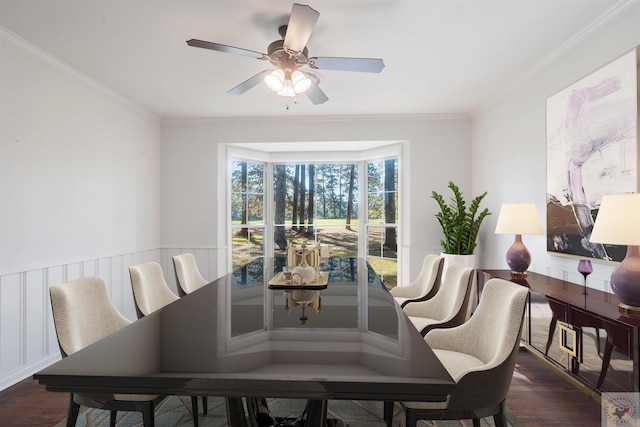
<point x="27" y="371"/>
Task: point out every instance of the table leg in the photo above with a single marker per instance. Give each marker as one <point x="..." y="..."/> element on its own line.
<point x="316" y="414"/>
<point x="235" y="412"/>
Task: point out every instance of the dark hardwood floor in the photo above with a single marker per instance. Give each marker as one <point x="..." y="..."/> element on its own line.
<point x="539" y="397"/>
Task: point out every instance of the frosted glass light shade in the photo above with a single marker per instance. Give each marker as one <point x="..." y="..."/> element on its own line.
<point x="287" y="89"/>
<point x="286" y="83"/>
<point x="300" y="81"/>
<point x="275" y="80"/>
<point x="518" y="218"/>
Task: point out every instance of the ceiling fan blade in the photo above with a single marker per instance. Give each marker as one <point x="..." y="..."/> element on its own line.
<point x="365" y="65"/>
<point x="224" y="48"/>
<point x="301" y="22"/>
<point x="249" y="83"/>
<point x="315" y="94"/>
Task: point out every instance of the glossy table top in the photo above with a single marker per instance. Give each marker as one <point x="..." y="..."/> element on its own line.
<point x="235" y="337"/>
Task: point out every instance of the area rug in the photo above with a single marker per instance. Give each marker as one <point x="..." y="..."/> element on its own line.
<point x="176" y="411"/>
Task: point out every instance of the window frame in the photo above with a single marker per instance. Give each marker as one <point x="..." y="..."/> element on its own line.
<point x="253" y="152"/>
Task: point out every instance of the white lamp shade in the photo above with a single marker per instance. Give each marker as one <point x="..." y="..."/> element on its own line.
<point x="518" y="218"/>
<point x="618" y="220"/>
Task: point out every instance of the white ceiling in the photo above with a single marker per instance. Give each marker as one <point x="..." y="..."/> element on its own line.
<point x="441" y="56"/>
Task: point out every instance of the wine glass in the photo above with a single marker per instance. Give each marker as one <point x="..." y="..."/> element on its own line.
<point x="585" y="268"/>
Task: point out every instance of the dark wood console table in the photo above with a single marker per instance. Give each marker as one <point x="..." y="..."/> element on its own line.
<point x="583" y="334"/>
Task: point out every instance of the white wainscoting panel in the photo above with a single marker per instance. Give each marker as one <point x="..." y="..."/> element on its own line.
<point x="28" y="340"/>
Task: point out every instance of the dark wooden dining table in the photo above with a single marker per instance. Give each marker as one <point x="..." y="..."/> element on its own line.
<point x="241" y="340"/>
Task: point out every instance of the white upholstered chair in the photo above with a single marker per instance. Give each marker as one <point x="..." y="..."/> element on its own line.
<point x="426" y="284"/>
<point x="150" y="290"/>
<point x="83" y="314"/>
<point x="151" y="293"/>
<point x="480" y="355"/>
<point x="188" y="276"/>
<point x="448" y="307"/>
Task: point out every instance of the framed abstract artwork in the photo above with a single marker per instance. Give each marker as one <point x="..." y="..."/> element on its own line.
<point x="592" y="150"/>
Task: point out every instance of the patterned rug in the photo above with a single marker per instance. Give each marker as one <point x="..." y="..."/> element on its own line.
<point x="176" y="411"/>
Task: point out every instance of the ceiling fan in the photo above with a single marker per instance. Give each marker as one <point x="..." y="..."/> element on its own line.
<point x="293" y="73"/>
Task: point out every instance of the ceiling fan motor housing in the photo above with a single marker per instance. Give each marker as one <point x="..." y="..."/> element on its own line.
<point x="279" y="56"/>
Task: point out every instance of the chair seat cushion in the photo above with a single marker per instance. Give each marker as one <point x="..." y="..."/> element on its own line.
<point x="401" y="300"/>
<point x="422" y="322"/>
<point x="134" y="397"/>
<point x="458" y="364"/>
<point x="427" y="405"/>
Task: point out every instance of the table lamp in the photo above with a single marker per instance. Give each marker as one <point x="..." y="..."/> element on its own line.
<point x="518" y="219"/>
<point x="618" y="223"/>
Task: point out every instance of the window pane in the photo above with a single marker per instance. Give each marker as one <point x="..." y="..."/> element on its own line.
<point x="256" y="208"/>
<point x="247" y="208"/>
<point x="247" y="245"/>
<point x="391" y="208"/>
<point x="255" y="178"/>
<point x="376" y="176"/>
<point x="382" y="234"/>
<point x="256" y="247"/>
<point x="376" y="207"/>
<point x="311" y="199"/>
<point x="375" y="239"/>
<point x="238" y="204"/>
<point x="237" y="173"/>
<point x="391" y="175"/>
<point x="386" y="269"/>
<point x="341" y="242"/>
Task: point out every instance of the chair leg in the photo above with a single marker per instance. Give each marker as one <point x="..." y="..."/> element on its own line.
<point x="113" y="415"/>
<point x="194" y="410"/>
<point x="410" y="420"/>
<point x="74" y="410"/>
<point x="500" y="419"/>
<point x="388" y="412"/>
<point x="147" y="415"/>
<point x="387" y="409"/>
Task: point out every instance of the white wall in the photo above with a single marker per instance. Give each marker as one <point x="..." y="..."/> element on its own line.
<point x="79" y="195"/>
<point x="438" y="150"/>
<point x="509" y="141"/>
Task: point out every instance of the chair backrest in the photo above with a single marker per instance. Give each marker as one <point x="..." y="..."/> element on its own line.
<point x="450" y="303"/>
<point x="150" y="290"/>
<point x="188" y="276"/>
<point x="83" y="313"/>
<point x="426" y="285"/>
<point x="492" y="335"/>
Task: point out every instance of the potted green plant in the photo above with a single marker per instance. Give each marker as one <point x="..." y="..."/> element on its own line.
<point x="460" y="226"/>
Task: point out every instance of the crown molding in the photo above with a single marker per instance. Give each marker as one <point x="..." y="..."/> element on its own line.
<point x="620" y="8"/>
<point x="46" y="57"/>
<point x="318" y="119"/>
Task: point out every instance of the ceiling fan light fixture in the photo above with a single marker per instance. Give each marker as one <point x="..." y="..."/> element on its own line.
<point x="287" y="89"/>
<point x="300" y="82"/>
<point x="275" y="80"/>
